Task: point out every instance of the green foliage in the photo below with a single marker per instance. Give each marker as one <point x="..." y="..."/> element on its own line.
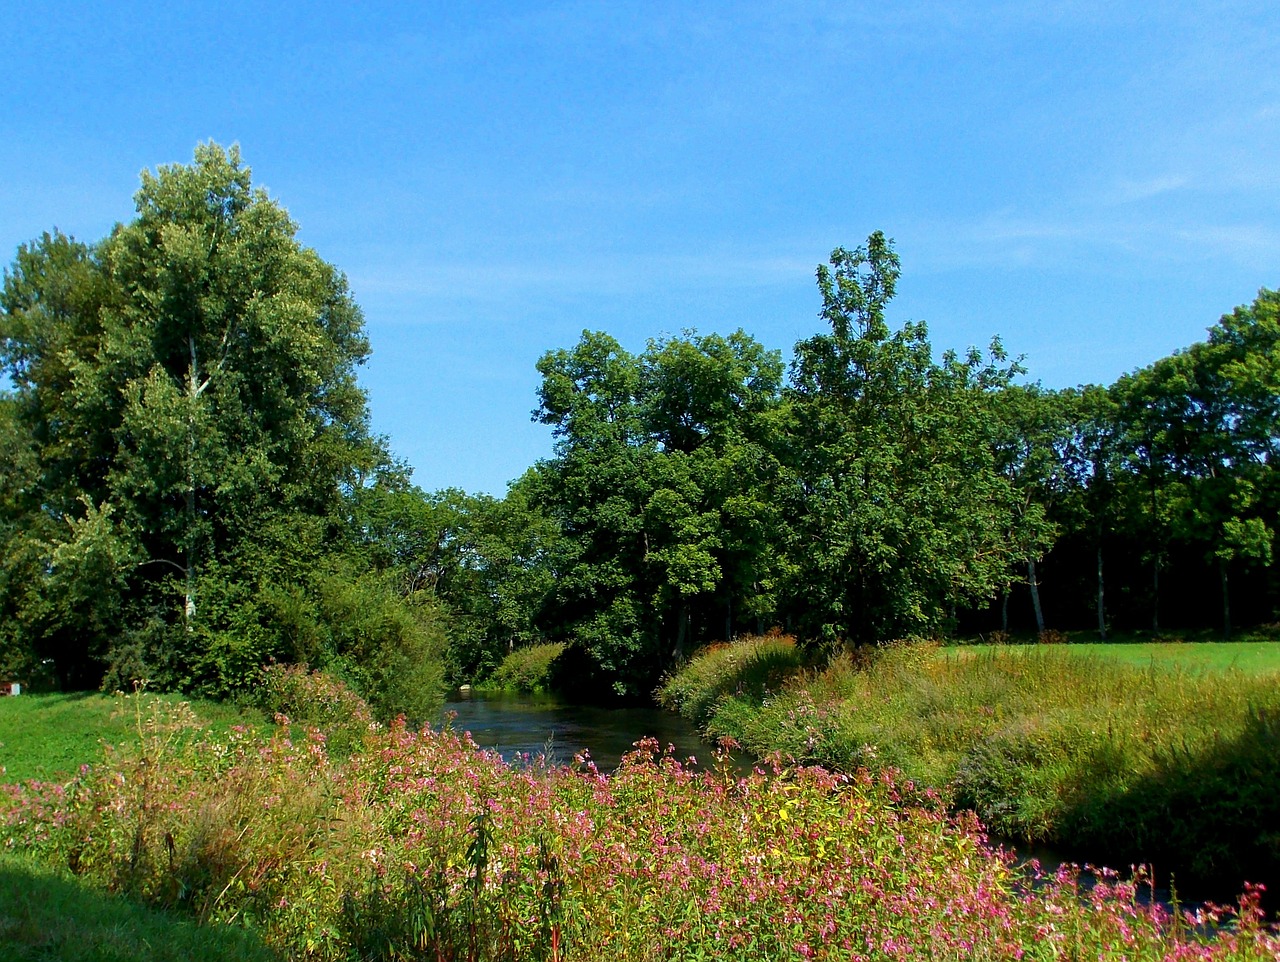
<point x="526" y="669"/>
<point x="883" y="493"/>
<point x="187" y="438"/>
<point x="291" y="693"/>
<point x="390" y="648"/>
<point x="659" y="490"/>
<point x="751" y="667"/>
<point x="1202" y="430"/>
<point x="897" y="508"/>
<point x="1045" y="743"/>
<point x="486" y="560"/>
<point x="189" y="488"/>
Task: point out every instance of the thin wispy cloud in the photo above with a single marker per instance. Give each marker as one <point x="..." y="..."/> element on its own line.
<point x="1254" y="244"/>
<point x="1065" y="243"/>
<point x="1129" y="191"/>
<point x="616" y="275"/>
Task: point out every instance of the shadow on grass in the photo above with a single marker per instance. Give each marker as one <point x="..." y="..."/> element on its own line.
<point x="51" y="916"/>
<point x="1211" y="818"/>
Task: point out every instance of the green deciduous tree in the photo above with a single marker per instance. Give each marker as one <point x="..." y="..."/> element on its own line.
<point x="1095" y="502"/>
<point x="1204" y="429"/>
<point x="1036" y="449"/>
<point x="489" y="562"/>
<point x="188" y="387"/>
<point x="657" y="489"/>
<point x="899" y="510"/>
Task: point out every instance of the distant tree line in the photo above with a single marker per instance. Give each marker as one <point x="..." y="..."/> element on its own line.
<point x="874" y="491"/>
<point x="190" y="488"/>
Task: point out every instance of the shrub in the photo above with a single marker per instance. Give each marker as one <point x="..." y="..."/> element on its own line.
<point x="527" y="669"/>
<point x="752" y="667"/>
<point x="389" y="648"/>
<point x="317" y="700"/>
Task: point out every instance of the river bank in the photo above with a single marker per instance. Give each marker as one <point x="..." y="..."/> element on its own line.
<point x="1111" y="763"/>
<point x="525" y="726"/>
<point x="417" y="843"/>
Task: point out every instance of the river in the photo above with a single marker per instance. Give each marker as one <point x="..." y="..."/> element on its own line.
<point x="518" y="725"/>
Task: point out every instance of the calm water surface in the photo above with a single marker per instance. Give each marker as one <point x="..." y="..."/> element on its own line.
<point x="516" y="725"/>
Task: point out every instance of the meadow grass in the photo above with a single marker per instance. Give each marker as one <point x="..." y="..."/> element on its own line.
<point x="48" y="914"/>
<point x="1250" y="657"/>
<point x="418" y="845"/>
<point x="752" y="667"/>
<point x="1171" y="760"/>
<point x="50" y="736"/>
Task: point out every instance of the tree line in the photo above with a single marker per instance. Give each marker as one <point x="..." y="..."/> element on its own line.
<point x="190" y="487"/>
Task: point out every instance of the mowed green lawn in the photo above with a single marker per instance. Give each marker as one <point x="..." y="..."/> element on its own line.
<point x="1250" y="657"/>
<point x="48" y="737"/>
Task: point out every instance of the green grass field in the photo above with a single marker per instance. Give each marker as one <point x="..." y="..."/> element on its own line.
<point x="50" y="915"/>
<point x="1250" y="657"/>
<point x="49" y="737"/>
<point x="46" y="913"/>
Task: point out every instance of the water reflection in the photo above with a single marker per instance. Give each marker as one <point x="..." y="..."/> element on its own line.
<point x="516" y="725"/>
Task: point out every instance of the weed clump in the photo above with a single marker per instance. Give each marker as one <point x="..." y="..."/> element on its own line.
<point x="293" y="693"/>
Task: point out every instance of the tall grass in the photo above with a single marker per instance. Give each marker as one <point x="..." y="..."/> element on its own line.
<point x="526" y="669"/>
<point x="1111" y="761"/>
<point x="421" y="846"/>
<point x="752" y="668"/>
<point x="49" y="915"/>
<point x="50" y="736"/>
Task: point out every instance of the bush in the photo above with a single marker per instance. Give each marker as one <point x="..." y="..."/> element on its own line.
<point x="752" y="667"/>
<point x="389" y="648"/>
<point x="527" y="669"/>
<point x="354" y="625"/>
<point x="318" y="700"/>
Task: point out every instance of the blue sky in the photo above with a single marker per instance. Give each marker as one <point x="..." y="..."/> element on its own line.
<point x="1094" y="182"/>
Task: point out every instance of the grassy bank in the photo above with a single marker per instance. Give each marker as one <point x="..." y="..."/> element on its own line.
<point x="1164" y="755"/>
<point x="527" y="669"/>
<point x="48" y="914"/>
<point x="51" y="736"/>
<point x="419" y="846"/>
